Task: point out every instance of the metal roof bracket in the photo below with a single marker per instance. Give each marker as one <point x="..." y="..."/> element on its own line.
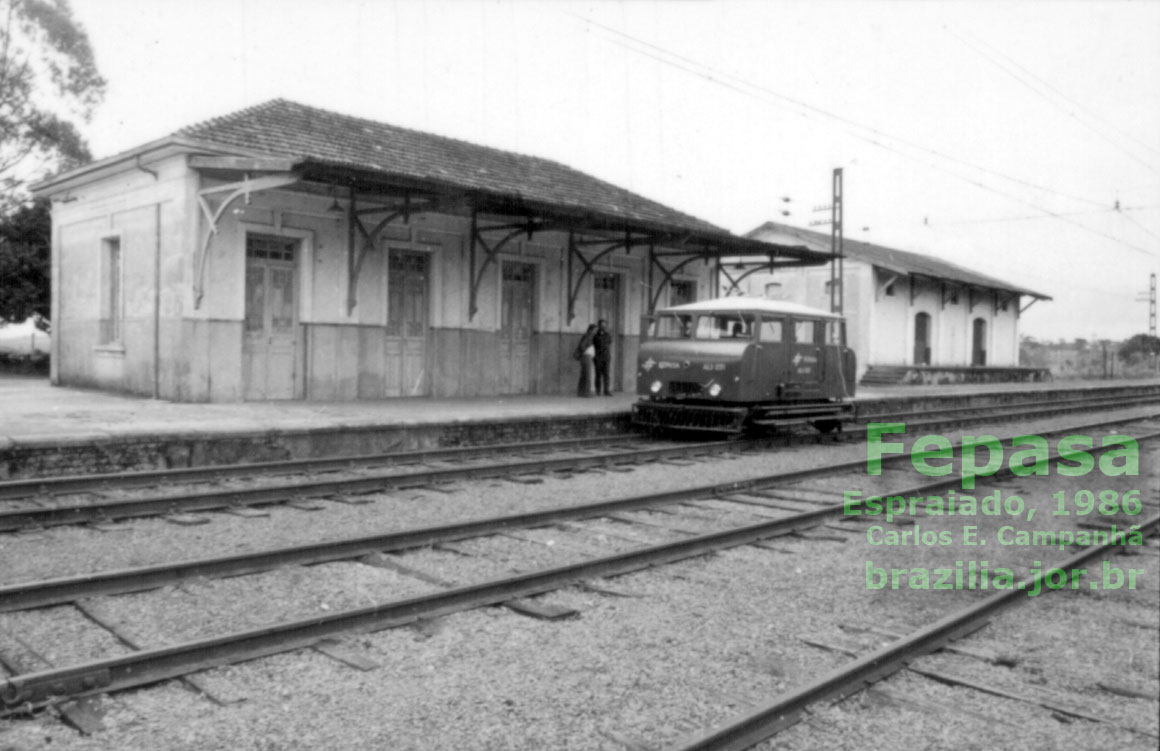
<point x="213" y="216"/>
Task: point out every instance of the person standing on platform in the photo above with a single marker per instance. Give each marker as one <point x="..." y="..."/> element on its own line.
<point x="586" y="354"/>
<point x="603" y="343"/>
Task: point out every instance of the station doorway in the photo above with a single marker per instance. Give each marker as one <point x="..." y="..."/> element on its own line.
<point x="517" y="322"/>
<point x="922" y="339"/>
<point x="606" y="306"/>
<point x="979" y="342"/>
<point x="408" y="302"/>
<point x="270" y="338"/>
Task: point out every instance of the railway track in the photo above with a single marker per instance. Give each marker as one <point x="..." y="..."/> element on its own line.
<point x="37" y="503"/>
<point x="40" y="594"/>
<point x="746" y="731"/>
<point x="1016" y="410"/>
<point x="148" y="666"/>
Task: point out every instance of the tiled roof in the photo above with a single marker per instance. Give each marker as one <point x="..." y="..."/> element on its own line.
<point x="284" y="128"/>
<point x="891" y="259"/>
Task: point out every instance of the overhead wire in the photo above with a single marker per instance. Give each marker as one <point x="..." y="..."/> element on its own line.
<point x="975" y="44"/>
<point x="718" y="77"/>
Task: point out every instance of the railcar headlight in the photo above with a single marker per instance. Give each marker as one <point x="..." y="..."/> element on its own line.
<point x="655" y="387"/>
<point x="715" y="389"/>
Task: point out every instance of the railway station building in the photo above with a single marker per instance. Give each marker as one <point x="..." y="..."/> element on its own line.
<point x="288" y="252"/>
<point x="911" y="318"/>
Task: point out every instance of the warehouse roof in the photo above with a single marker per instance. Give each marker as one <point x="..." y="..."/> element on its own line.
<point x="891" y="259"/>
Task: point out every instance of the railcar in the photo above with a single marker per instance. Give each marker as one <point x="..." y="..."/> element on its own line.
<point x="738" y="364"/>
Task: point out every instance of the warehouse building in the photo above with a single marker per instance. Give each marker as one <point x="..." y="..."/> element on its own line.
<point x="911" y="317"/>
<point x="288" y="252"/>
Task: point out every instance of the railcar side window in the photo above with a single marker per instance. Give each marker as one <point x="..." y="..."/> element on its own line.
<point x="671" y="327"/>
<point x="804" y="332"/>
<point x="771" y="331"/>
<point x="731" y="326"/>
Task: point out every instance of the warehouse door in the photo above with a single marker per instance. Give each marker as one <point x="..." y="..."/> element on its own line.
<point x="270" y="338"/>
<point x="517" y="316"/>
<point x="979" y="342"/>
<point x="407" y="309"/>
<point x="922" y="339"/>
<point x="606" y="306"/>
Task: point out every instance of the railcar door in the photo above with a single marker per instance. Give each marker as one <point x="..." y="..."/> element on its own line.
<point x="772" y="356"/>
<point x="803" y="379"/>
<point x="837" y="370"/>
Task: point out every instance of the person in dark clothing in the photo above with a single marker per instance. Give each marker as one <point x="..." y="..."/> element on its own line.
<point x="585" y="353"/>
<point x="603" y="342"/>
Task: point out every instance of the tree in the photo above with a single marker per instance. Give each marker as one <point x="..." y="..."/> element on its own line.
<point x="25" y="263"/>
<point x="48" y="80"/>
<point x="1142" y="343"/>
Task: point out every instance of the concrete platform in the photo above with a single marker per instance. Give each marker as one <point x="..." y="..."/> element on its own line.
<point x="57" y="431"/>
<point x="53" y="431"/>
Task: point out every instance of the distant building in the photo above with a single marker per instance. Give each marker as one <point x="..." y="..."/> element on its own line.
<point x="910" y="317"/>
<point x="288" y="252"/>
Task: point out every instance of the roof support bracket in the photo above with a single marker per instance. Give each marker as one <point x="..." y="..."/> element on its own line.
<point x="213" y="216"/>
<point x="370" y="239"/>
<point x="1028" y="305"/>
<point x="491" y="251"/>
<point x="747" y="271"/>
<point x="667" y="273"/>
<point x="588" y="264"/>
<point x="880" y="290"/>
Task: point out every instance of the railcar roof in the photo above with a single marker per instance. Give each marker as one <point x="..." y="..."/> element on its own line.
<point x="749" y="304"/>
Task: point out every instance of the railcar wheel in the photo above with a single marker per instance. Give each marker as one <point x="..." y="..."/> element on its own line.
<point x="827" y="426"/>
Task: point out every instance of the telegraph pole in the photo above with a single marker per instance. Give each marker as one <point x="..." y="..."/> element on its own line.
<point x="837" y="293"/>
<point x="1152" y="305"/>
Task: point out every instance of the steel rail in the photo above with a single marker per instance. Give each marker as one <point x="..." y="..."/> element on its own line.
<point x="33" y="486"/>
<point x="14" y="519"/>
<point x="28" y="595"/>
<point x="23" y="488"/>
<point x="150" y="666"/>
<point x="20" y="692"/>
<point x="1018" y="409"/>
<point x="764" y="722"/>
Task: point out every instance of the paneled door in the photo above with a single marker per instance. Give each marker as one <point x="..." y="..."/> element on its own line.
<point x="270" y="360"/>
<point x="606" y="306"/>
<point x="408" y="303"/>
<point x="517" y="321"/>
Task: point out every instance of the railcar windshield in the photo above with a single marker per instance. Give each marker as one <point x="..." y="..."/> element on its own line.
<point x="705" y="326"/>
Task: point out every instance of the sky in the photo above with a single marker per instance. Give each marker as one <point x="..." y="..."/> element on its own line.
<point x="1019" y="138"/>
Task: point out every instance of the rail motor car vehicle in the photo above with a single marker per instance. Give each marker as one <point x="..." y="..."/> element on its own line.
<point x="736" y="364"/>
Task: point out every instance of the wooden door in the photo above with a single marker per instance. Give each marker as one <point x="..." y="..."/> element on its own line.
<point x="606" y="306"/>
<point x="517" y="321"/>
<point x="408" y="303"/>
<point x="979" y="342"/>
<point x="922" y="339"/>
<point x="270" y="361"/>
